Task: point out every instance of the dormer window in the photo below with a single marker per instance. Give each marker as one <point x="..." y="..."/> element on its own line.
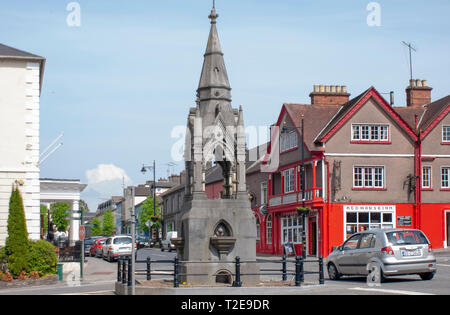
<point x="288" y="141"/>
<point x="370" y="133"/>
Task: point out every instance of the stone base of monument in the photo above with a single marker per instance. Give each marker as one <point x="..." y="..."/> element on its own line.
<point x="218" y="273"/>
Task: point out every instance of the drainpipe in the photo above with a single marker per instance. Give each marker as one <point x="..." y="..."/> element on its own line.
<point x="328" y="204"/>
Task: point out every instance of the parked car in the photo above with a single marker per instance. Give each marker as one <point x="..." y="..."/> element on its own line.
<point x="87" y="246"/>
<point x="393" y="252"/>
<point x="96" y="248"/>
<point x="166" y="243"/>
<point x="117" y="246"/>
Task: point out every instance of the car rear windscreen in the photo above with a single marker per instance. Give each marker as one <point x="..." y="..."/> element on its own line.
<point x="406" y="238"/>
<point x="122" y="240"/>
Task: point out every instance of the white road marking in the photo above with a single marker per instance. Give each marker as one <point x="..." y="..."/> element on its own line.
<point x="390" y="291"/>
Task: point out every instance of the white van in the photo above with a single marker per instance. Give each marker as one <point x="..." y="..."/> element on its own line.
<point x="166" y="243"/>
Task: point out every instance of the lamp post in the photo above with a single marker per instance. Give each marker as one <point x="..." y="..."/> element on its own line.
<point x="143" y="171"/>
<point x="284" y="130"/>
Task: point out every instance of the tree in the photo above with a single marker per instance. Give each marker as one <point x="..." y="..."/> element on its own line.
<point x="148" y="214"/>
<point x="60" y="212"/>
<point x="108" y="223"/>
<point x="96" y="229"/>
<point x="17" y="245"/>
<point x="84" y="206"/>
<point x="44" y="219"/>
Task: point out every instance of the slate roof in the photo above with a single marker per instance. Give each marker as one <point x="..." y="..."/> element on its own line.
<point x="10" y="52"/>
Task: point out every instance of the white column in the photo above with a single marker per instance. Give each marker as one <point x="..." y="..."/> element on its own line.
<point x="75" y="224"/>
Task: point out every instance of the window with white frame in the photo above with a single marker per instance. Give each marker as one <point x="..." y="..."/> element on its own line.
<point x="264" y="193"/>
<point x="370" y="132"/>
<point x="445" y="177"/>
<point x="426" y="177"/>
<point x="446" y="134"/>
<point x="288" y="141"/>
<point x="258" y="227"/>
<point x="269" y="230"/>
<point x="368" y="177"/>
<point x="289" y="180"/>
<point x="291" y="231"/>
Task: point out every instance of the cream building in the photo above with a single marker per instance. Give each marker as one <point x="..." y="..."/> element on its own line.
<point x="21" y="75"/>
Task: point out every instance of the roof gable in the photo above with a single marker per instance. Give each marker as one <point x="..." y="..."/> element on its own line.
<point x="349" y="109"/>
<point x="434" y="114"/>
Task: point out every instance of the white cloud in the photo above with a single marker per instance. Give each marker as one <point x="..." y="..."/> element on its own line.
<point x="106" y="172"/>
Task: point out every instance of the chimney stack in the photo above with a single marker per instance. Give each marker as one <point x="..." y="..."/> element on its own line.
<point x="334" y="95"/>
<point x="418" y="93"/>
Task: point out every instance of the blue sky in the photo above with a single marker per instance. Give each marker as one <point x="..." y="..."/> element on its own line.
<point x="118" y="84"/>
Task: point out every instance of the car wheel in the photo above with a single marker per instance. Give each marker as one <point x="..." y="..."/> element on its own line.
<point x="427" y="276"/>
<point x="162" y="248"/>
<point x="333" y="273"/>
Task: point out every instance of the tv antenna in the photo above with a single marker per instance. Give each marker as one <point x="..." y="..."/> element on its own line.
<point x="411" y="48"/>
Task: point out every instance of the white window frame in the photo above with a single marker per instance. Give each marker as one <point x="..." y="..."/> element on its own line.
<point x="291" y="226"/>
<point x="269" y="229"/>
<point x="264" y="193"/>
<point x="369" y="180"/>
<point x="427" y="176"/>
<point x="365" y="132"/>
<point x="290" y="180"/>
<point x="446" y="134"/>
<point x="447" y="169"/>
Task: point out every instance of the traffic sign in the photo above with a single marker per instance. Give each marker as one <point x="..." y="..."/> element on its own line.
<point x="82" y="233"/>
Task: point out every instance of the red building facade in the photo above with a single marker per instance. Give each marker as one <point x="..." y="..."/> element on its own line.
<point x="368" y="164"/>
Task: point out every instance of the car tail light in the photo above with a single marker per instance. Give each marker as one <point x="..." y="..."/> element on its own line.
<point x="110" y="248"/>
<point x="387" y="251"/>
<point x="430" y="248"/>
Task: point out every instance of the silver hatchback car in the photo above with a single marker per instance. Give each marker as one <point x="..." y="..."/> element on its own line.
<point x="392" y="252"/>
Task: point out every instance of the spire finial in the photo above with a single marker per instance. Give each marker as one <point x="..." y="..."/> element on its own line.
<point x="213" y="16"/>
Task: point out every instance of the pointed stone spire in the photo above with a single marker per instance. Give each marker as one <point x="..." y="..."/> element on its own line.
<point x="214" y="74"/>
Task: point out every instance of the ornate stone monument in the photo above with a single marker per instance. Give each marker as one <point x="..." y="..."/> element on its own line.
<point x="216" y="231"/>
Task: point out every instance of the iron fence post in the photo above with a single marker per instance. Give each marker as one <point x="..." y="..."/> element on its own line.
<point x="119" y="271"/>
<point x="130" y="269"/>
<point x="284" y="268"/>
<point x="321" y="275"/>
<point x="302" y="270"/>
<point x="175" y="273"/>
<point x="238" y="283"/>
<point x="297" y="271"/>
<point x="149" y="274"/>
<point x="124" y="271"/>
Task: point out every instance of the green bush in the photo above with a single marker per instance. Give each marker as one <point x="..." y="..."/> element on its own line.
<point x="3" y="260"/>
<point x="42" y="258"/>
<point x="17" y="244"/>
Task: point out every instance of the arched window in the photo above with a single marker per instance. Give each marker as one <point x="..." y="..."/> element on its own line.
<point x="258" y="229"/>
<point x="269" y="229"/>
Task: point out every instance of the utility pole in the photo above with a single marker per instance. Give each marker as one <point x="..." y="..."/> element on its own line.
<point x="133" y="241"/>
<point x="411" y="48"/>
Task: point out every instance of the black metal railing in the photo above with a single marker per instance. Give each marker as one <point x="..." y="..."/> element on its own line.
<point x="298" y="273"/>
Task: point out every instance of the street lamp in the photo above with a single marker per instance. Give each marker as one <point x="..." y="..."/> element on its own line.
<point x="143" y="171"/>
<point x="304" y="212"/>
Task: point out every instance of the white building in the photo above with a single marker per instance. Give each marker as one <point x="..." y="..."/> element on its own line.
<point x="21" y="77"/>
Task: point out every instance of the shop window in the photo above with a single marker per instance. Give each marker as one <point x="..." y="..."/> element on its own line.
<point x="366" y="220"/>
<point x="291" y="229"/>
